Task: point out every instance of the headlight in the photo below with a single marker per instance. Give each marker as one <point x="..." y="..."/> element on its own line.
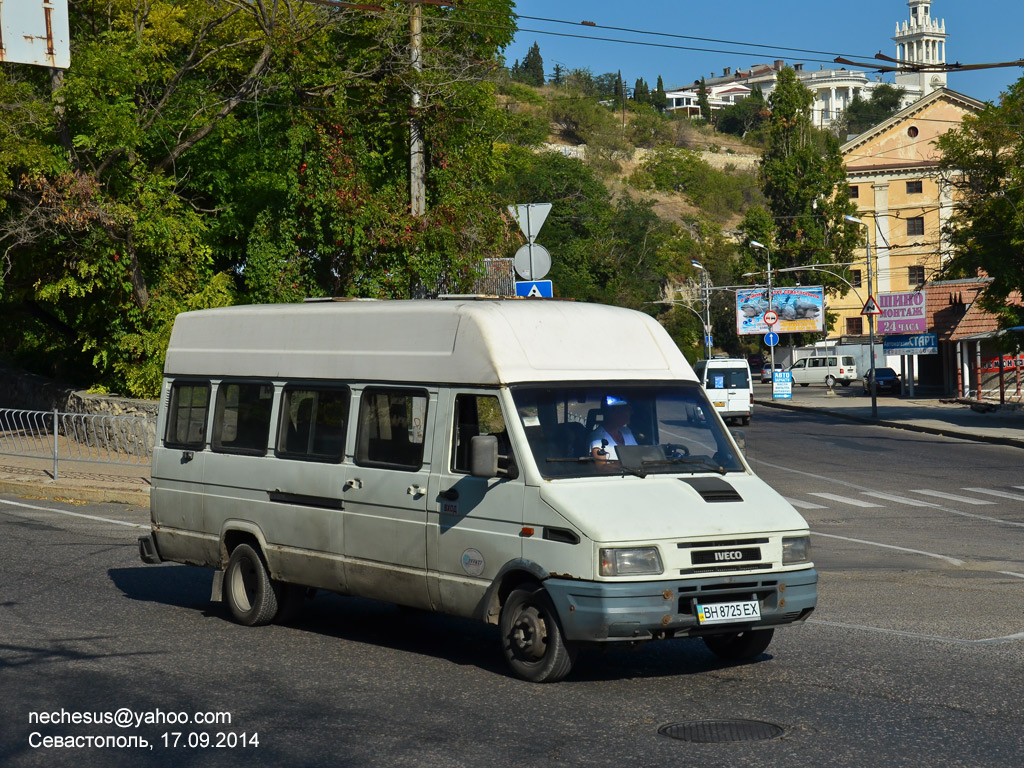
<point x="796" y="550"/>
<point x="630" y="562"/>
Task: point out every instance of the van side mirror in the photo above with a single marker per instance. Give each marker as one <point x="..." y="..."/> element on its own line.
<point x="483" y="456"/>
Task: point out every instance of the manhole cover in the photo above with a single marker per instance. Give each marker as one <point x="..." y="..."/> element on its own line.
<point x="717" y="731"/>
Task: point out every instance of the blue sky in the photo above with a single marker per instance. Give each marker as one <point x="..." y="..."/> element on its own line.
<point x="978" y="31"/>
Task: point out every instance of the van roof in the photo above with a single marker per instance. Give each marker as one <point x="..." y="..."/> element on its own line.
<point x="467" y="341"/>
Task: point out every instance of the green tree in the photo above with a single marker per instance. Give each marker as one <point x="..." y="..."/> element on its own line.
<point x="702" y="100"/>
<point x="983" y="159"/>
<point x="658" y="98"/>
<point x="641" y="92"/>
<point x="200" y="152"/>
<point x="532" y="70"/>
<point x="745" y="117"/>
<point x="863" y="114"/>
<point x="804" y="184"/>
<point x="558" y="75"/>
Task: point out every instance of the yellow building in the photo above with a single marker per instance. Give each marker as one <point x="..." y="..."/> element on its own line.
<point x="893" y="176"/>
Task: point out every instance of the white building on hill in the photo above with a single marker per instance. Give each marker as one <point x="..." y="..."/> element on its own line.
<point x="919" y="40"/>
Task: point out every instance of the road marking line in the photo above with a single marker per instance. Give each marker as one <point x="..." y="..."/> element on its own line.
<point x="73" y="514"/>
<point x="919" y="635"/>
<point x="803" y="504"/>
<point x="845" y="500"/>
<point x="899" y="499"/>
<point x="953" y="497"/>
<point x="1000" y="494"/>
<point x="950" y="560"/>
<point x="1011" y="573"/>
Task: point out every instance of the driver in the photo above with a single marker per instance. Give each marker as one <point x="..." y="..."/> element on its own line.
<point x="612" y="431"/>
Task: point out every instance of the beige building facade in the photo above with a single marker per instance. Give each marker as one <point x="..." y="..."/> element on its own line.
<point x="892" y="171"/>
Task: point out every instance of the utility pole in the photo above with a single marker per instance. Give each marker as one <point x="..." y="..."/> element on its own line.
<point x="771" y="307"/>
<point x="871" y="318"/>
<point x="705" y="290"/>
<point x="417" y="185"/>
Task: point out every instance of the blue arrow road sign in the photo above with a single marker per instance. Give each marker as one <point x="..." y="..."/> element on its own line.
<point x="771" y="338"/>
<point x="534" y="289"/>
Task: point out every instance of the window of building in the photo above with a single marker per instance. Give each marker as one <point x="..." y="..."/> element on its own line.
<point x="854" y="326"/>
<point x="391" y="431"/>
<point x="186" y="415"/>
<point x="241" y="423"/>
<point x="914" y="187"/>
<point x="915" y="275"/>
<point x="912" y="131"/>
<point x="854" y="192"/>
<point x="477" y="415"/>
<point x="855" y="278"/>
<point x="312" y="424"/>
<point x="915" y="226"/>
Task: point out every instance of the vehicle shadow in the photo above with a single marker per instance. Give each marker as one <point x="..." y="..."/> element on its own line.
<point x="459" y="641"/>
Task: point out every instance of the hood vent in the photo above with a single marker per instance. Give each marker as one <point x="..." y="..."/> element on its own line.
<point x="713" y="489"/>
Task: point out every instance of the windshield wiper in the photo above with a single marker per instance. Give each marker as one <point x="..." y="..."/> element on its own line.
<point x="703" y="463"/>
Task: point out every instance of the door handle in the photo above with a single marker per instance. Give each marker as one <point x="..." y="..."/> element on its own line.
<point x="354" y="483"/>
<point x="414" y="490"/>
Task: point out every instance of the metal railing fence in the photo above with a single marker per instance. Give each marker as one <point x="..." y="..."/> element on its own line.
<point x="82" y="437"/>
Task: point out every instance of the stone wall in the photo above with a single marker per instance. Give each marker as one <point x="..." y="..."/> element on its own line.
<point x="27" y="391"/>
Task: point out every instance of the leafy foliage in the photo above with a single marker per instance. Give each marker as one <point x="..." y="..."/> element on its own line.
<point x="983" y="160"/>
<point x="863" y="114"/>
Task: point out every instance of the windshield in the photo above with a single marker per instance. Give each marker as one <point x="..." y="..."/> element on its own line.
<point x="597" y="429"/>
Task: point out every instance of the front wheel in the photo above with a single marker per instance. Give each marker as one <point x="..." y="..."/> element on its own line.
<point x="532" y="637"/>
<point x="248" y="590"/>
<point x="739" y="646"/>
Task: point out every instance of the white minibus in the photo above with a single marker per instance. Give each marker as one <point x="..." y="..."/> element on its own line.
<point x="553" y="468"/>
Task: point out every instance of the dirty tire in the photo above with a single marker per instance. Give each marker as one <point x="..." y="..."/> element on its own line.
<point x="532" y="637"/>
<point x="248" y="590"/>
<point x="745" y="421"/>
<point x="739" y="646"/>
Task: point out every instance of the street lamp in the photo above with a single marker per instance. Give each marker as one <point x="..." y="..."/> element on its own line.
<point x="704" y="280"/>
<point x="771" y="307"/>
<point x="871" y="318"/>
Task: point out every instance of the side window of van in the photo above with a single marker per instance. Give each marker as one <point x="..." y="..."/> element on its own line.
<point x="186" y="415"/>
<point x="391" y="428"/>
<point x="313" y="421"/>
<point x="478" y="415"/>
<point x="241" y="422"/>
<point x="800" y="364"/>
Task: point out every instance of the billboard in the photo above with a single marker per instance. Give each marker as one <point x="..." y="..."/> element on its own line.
<point x="35" y="32"/>
<point x="800" y="310"/>
<point x="902" y="313"/>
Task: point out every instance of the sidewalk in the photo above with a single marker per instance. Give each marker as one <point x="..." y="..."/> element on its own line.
<point x="129" y="484"/>
<point x="1004" y="426"/>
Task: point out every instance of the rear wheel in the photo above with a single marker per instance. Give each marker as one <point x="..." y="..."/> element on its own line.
<point x="248" y="590"/>
<point x="739" y="646"/>
<point x="532" y="637"/>
<point x="830" y="381"/>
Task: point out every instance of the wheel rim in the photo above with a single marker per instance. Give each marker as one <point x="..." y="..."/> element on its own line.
<point x="529" y="634"/>
<point x="243" y="584"/>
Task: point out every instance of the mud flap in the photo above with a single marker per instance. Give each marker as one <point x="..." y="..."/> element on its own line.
<point x="217" y="593"/>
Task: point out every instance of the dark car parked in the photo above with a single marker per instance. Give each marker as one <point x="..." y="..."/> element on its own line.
<point x="766" y="372"/>
<point x="887" y="381"/>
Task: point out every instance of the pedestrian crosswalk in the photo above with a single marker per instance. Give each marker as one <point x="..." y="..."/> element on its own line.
<point x="870" y="499"/>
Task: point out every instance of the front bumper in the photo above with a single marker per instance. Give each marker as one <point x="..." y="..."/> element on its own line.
<point x="600" y="612"/>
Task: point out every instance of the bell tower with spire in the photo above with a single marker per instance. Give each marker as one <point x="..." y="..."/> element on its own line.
<point x="921" y="40"/>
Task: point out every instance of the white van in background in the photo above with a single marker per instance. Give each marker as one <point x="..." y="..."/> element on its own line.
<point x="824" y="369"/>
<point x="454" y="455"/>
<point x="728" y="384"/>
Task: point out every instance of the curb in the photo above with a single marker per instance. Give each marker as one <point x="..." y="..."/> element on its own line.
<point x="910" y="427"/>
<point x="55" y="492"/>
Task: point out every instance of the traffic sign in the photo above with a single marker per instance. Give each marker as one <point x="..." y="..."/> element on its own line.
<point x="771" y="317"/>
<point x="532" y="261"/>
<point x="530" y="217"/>
<point x="871" y="307"/>
<point x="771" y="338"/>
<point x="534" y="289"/>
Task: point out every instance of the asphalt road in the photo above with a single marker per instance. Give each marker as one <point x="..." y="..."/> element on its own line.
<point x="913" y="658"/>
